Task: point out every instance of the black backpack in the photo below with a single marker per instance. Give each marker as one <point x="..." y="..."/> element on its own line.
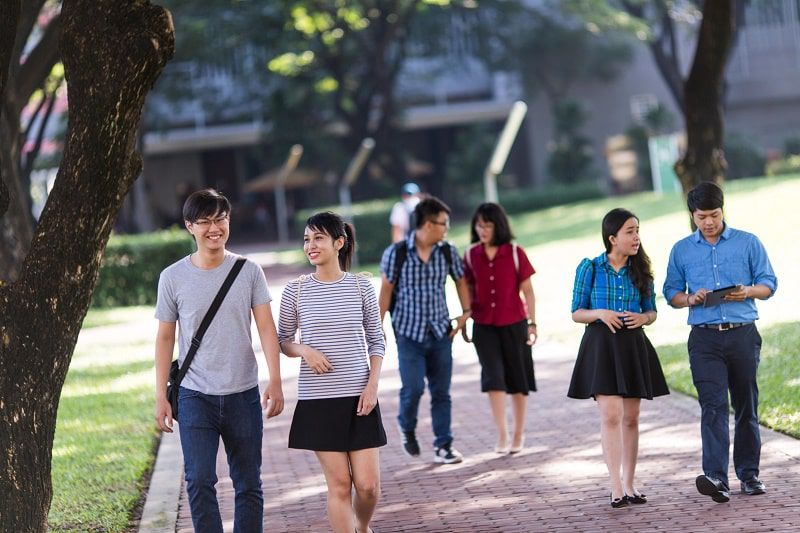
<point x="401" y="254"/>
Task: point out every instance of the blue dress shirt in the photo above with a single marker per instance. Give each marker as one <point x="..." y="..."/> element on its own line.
<point x="738" y="258"/>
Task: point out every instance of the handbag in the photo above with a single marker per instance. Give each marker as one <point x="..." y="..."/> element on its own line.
<point x="176" y="372"/>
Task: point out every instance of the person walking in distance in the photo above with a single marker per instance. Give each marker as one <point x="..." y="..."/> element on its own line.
<point x="497" y="271"/>
<point x="413" y="274"/>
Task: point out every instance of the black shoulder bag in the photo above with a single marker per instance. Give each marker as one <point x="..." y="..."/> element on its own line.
<point x="177" y="374"/>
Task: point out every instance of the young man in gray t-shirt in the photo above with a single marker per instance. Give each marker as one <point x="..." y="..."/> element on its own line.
<point x="219" y="396"/>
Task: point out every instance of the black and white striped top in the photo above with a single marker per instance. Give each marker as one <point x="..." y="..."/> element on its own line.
<point x="341" y="319"/>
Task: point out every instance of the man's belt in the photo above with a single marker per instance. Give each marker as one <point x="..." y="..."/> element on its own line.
<point x="724" y="326"/>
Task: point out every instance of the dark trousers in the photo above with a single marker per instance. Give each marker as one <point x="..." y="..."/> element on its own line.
<point x="237" y="418"/>
<point x="431" y="359"/>
<point x="723" y="361"/>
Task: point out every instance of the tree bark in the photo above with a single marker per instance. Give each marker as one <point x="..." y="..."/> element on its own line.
<point x="113" y="51"/>
<point x="704" y="159"/>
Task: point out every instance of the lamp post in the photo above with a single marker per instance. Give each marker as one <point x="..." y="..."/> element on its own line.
<point x="501" y="150"/>
<point x="349" y="178"/>
<point x="295" y="152"/>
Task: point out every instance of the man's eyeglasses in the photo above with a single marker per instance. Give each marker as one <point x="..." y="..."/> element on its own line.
<point x="206" y="222"/>
<point x="446" y="223"/>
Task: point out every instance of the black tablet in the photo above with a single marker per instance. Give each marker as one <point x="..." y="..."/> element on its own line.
<point x="716" y="297"/>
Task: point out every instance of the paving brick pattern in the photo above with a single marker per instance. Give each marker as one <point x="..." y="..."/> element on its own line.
<point x="558" y="483"/>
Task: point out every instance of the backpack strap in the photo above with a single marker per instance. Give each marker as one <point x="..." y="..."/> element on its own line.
<point x="400" y="256"/>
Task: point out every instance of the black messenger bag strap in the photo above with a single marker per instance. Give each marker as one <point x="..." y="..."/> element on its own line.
<point x="198" y="336"/>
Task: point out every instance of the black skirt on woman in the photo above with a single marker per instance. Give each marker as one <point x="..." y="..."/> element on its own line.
<point x="616" y="364"/>
<point x="331" y="425"/>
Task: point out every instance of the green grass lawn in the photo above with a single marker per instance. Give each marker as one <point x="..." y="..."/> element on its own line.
<point x="105" y="436"/>
<point x="778" y="376"/>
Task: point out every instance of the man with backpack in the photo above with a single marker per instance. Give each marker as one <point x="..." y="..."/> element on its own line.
<point x="218" y="382"/>
<point x="414" y="272"/>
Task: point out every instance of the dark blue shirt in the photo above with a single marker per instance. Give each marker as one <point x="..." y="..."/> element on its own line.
<point x="738" y="258"/>
<point x="421" y="305"/>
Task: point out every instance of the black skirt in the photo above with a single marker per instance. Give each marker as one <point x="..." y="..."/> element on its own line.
<point x="506" y="358"/>
<point x="616" y="364"/>
<point x="331" y="425"/>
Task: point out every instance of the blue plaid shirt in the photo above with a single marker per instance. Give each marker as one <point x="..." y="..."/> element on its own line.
<point x="599" y="286"/>
<point x="738" y="258"/>
<point x="421" y="305"/>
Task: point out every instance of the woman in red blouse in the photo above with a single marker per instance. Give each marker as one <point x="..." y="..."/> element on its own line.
<point x="504" y="326"/>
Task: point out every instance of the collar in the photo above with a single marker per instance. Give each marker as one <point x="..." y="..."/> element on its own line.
<point x="602" y="259"/>
<point x="726" y="234"/>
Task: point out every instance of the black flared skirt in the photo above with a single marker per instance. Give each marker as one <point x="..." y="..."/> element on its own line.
<point x="616" y="364"/>
<point x="331" y="425"/>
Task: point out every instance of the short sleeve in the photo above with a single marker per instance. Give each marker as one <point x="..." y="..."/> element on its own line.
<point x="525" y="268"/>
<point x="287" y="318"/>
<point x="166" y="306"/>
<point x="469" y="274"/>
<point x="582" y="288"/>
<point x="649" y="302"/>
<point x="387" y="262"/>
<point x="457" y="268"/>
<point x="399" y="215"/>
<point x="259" y="291"/>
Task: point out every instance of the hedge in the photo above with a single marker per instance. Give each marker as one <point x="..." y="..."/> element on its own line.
<point x="132" y="263"/>
<point x="371" y="219"/>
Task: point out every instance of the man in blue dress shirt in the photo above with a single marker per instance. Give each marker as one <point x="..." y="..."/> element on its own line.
<point x="724" y="344"/>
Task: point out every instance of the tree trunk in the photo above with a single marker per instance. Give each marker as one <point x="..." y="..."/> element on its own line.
<point x="113" y="51"/>
<point x="704" y="159"/>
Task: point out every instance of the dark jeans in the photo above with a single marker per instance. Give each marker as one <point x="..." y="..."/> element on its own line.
<point x="431" y="359"/>
<point x="722" y="361"/>
<point x="202" y="420"/>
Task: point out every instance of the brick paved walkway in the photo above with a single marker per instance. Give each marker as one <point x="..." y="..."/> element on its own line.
<point x="557" y="484"/>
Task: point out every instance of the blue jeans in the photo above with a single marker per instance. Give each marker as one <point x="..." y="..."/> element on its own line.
<point x="202" y="420"/>
<point x="431" y="359"/>
<point x="723" y="361"/>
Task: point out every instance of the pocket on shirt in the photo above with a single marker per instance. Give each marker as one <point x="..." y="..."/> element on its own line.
<point x="735" y="271"/>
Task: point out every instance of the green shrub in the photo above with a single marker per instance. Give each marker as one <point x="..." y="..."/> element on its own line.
<point x="523" y="200"/>
<point x="787" y="165"/>
<point x="131" y="265"/>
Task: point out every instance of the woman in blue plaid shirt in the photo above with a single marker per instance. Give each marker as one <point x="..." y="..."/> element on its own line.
<point x="616" y="365"/>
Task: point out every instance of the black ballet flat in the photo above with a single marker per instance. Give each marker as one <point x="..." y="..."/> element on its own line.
<point x="637" y="498"/>
<point x="616" y="503"/>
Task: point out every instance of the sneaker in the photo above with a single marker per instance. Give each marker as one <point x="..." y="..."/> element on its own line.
<point x="410" y="444"/>
<point x="447" y="454"/>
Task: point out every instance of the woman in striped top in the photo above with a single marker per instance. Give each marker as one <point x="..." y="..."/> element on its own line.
<point x="341" y="348"/>
<point x="616" y="364"/>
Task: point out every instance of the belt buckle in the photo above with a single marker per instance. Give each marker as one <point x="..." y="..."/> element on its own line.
<point x="725" y="327"/>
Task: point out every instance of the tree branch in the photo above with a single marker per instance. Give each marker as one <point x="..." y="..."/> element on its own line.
<point x="39" y="62"/>
<point x="9" y="17"/>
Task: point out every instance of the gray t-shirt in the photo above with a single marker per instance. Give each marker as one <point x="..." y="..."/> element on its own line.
<point x="225" y="362"/>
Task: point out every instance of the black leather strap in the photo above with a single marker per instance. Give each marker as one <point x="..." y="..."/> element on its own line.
<point x="201" y="330"/>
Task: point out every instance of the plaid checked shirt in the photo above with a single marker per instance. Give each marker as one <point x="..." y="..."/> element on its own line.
<point x="610" y="290"/>
<point x="421" y="305"/>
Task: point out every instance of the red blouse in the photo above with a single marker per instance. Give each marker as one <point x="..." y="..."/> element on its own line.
<point x="494" y="285"/>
